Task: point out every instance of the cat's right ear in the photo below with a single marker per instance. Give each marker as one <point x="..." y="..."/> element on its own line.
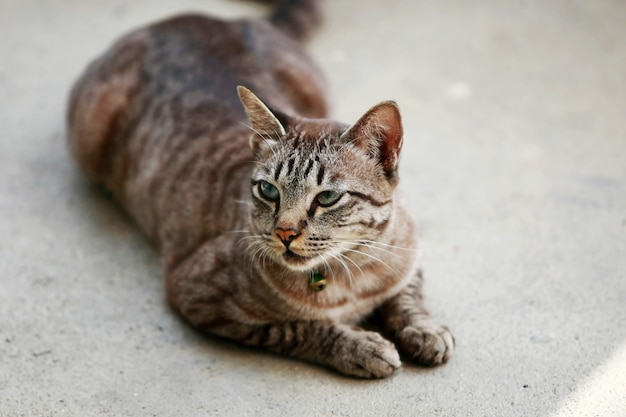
<point x="266" y="128"/>
<point x="379" y="133"/>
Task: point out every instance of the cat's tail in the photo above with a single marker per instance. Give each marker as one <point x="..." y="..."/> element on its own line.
<point x="297" y="18"/>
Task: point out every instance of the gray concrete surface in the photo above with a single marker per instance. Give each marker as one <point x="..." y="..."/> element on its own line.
<point x="515" y="162"/>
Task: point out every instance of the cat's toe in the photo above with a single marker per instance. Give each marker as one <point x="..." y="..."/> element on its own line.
<point x="370" y="356"/>
<point x="428" y="344"/>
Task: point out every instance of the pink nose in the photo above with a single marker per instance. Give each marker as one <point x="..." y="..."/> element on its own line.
<point x="287" y="235"/>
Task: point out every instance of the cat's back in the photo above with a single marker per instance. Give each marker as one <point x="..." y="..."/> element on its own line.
<point x="183" y="72"/>
<point x="210" y="57"/>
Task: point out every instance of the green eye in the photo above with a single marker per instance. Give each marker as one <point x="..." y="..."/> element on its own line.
<point x="268" y="191"/>
<point x="328" y="198"/>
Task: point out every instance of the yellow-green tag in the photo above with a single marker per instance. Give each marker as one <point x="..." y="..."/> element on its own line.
<point x="317" y="282"/>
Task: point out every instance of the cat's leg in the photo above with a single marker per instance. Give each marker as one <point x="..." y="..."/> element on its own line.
<point x="211" y="294"/>
<point x="416" y="334"/>
<point x="347" y="349"/>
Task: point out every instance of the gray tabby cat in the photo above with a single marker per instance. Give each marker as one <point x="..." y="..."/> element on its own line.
<point x="278" y="228"/>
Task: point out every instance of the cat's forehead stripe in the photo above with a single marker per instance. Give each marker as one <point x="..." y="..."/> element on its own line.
<point x="320" y="174"/>
<point x="290" y="164"/>
<point x="279" y="169"/>
<point x="296" y="141"/>
<point x="308" y="167"/>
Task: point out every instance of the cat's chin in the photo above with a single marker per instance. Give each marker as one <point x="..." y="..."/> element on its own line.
<point x="297" y="262"/>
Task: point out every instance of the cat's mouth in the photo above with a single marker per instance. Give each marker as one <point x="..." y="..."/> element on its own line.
<point x="295" y="260"/>
<point x="292" y="256"/>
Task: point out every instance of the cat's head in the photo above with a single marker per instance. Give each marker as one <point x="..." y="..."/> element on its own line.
<point x="321" y="189"/>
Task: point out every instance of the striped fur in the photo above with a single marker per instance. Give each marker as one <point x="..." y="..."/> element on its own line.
<point x="159" y="120"/>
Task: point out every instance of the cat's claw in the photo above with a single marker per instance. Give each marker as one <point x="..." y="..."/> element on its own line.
<point x="428" y="343"/>
<point x="369" y="356"/>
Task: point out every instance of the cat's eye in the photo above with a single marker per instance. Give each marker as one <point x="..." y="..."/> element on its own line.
<point x="268" y="191"/>
<point x="328" y="198"/>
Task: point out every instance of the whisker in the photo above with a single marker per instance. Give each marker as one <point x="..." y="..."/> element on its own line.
<point x="266" y="139"/>
<point x="337" y="257"/>
<point x="373" y="258"/>
<point x="372" y="245"/>
<point x="328" y="266"/>
<point x="373" y="242"/>
<point x="364" y="242"/>
<point x="244" y="202"/>
<point x="253" y="161"/>
<point x="259" y="252"/>
<point x="354" y="263"/>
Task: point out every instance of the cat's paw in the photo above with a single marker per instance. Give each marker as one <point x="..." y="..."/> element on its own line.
<point x="367" y="355"/>
<point x="427" y="343"/>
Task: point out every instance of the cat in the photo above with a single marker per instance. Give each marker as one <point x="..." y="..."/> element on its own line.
<point x="278" y="227"/>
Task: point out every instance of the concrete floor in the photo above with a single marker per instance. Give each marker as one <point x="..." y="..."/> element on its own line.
<point x="515" y="162"/>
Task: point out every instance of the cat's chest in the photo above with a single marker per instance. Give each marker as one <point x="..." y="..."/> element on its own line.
<point x="345" y="300"/>
<point x="344" y="306"/>
<point x="354" y="302"/>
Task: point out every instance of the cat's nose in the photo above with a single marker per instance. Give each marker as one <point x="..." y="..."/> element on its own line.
<point x="287" y="235"/>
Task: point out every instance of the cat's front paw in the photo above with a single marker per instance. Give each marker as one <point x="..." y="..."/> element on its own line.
<point x="427" y="343"/>
<point x="367" y="355"/>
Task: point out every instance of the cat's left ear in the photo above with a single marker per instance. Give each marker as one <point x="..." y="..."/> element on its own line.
<point x="379" y="132"/>
<point x="265" y="126"/>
